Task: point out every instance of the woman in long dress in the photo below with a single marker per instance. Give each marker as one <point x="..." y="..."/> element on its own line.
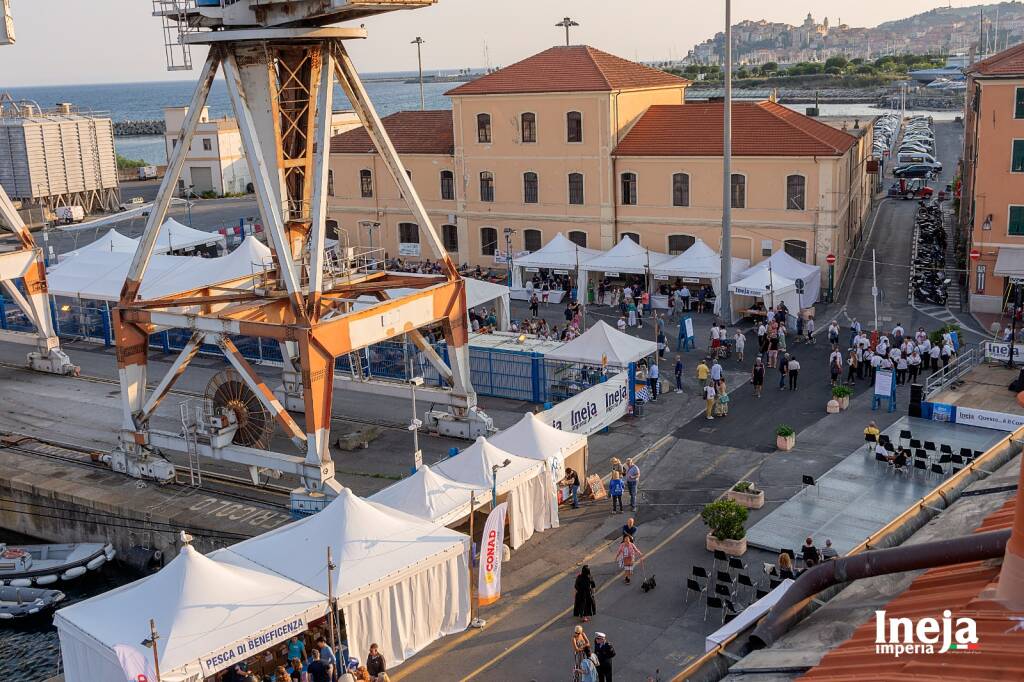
<point x="628" y="555"/>
<point x="584" y="605"/>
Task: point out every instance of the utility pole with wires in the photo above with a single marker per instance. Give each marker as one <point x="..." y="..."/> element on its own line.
<point x="726" y="307"/>
<point x="419" y="61"/>
<point x="567" y="23"/>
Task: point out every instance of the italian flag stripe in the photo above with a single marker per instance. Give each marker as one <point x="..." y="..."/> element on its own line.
<point x="963" y="647"/>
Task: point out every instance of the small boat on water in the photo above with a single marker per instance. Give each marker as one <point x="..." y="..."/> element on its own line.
<point x="21" y="602"/>
<point x="27" y="565"/>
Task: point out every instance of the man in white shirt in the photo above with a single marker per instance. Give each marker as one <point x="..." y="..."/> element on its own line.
<point x="685" y="295"/>
<point x="794" y="372"/>
<point x="716" y="372"/>
<point x="934" y="355"/>
<point x="709" y="400"/>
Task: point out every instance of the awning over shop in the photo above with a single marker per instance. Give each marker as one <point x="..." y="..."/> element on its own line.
<point x="1009" y="262"/>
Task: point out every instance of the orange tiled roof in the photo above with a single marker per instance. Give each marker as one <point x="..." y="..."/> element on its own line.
<point x="758" y="129"/>
<point x="1006" y="63"/>
<point x="412" y="132"/>
<point x="575" y="68"/>
<point x="1000" y="654"/>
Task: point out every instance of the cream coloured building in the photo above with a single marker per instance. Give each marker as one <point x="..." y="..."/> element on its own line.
<point x="578" y="141"/>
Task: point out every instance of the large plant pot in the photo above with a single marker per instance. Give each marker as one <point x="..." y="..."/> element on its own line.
<point x="844" y="402"/>
<point x="730" y="547"/>
<point x="832" y="406"/>
<point x="748" y="500"/>
<point x="785" y="442"/>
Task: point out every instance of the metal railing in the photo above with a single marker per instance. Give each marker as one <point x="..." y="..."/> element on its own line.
<point x="964" y="363"/>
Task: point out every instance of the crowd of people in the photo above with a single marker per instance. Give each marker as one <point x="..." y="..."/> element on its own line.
<point x="298" y="661"/>
<point x="909" y="355"/>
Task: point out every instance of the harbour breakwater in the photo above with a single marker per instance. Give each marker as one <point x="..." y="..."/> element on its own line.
<point x="883" y="97"/>
<point x="139" y="128"/>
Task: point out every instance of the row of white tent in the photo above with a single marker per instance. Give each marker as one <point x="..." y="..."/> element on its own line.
<point x="773" y="279"/>
<point x="97" y="270"/>
<point x="402" y="576"/>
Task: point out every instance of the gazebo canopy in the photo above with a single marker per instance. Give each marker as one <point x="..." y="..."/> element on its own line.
<point x="785" y="265"/>
<point x="560" y="252"/>
<point x="626" y="256"/>
<point x="603" y="342"/>
<point x="700" y="260"/>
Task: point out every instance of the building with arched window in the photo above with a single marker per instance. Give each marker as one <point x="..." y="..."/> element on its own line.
<point x="578" y="141"/>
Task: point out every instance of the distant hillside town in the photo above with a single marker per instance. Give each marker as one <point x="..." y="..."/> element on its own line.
<point x="948" y="30"/>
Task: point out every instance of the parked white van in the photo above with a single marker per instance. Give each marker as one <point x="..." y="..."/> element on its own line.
<point x="918" y="157"/>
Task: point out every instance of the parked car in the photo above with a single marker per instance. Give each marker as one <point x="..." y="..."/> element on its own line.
<point x="914" y="170"/>
<point x="907" y="158"/>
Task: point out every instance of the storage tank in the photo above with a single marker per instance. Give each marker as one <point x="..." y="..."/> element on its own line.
<point x="57" y="158"/>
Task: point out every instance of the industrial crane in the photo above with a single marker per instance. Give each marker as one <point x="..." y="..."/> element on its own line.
<point x="22" y="261"/>
<point x="280" y="61"/>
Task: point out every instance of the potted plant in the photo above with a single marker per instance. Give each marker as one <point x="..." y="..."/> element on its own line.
<point x="785" y="437"/>
<point x="725" y="519"/>
<point x="842" y="394"/>
<point x="746" y="494"/>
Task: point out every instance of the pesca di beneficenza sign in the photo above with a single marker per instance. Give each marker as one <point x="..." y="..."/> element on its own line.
<point x="253" y="644"/>
<point x="593" y="409"/>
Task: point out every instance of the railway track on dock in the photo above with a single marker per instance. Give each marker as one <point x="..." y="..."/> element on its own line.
<point x="221" y="484"/>
<point x="382" y="423"/>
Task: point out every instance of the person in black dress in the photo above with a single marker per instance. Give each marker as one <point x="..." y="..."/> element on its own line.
<point x="584" y="605"/>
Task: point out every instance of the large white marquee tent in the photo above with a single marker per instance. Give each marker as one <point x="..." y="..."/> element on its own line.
<point x="783" y="264"/>
<point x="604" y="344"/>
<point x="532" y="438"/>
<point x="558" y="254"/>
<point x="768" y="286"/>
<point x="401" y="582"/>
<point x="201" y="608"/>
<point x="625" y="257"/>
<point x="700" y="261"/>
<point x="173" y="238"/>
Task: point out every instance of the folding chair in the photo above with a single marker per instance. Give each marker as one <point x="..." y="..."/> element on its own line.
<point x="928" y="445"/>
<point x="724" y="591"/>
<point x="791" y="553"/>
<point x="731" y="609"/>
<point x="944" y="460"/>
<point x="719" y="556"/>
<point x="870" y="439"/>
<point x="915" y="443"/>
<point x="957" y="459"/>
<point x="920" y="454"/>
<point x="944" y="448"/>
<point x="760" y="594"/>
<point x="884" y="439"/>
<point x="882" y="459"/>
<point x="904" y="436"/>
<point x="744" y="581"/>
<point x="701" y="572"/>
<point x="774" y="582"/>
<point x="936" y="469"/>
<point x="920" y="465"/>
<point x="978" y="453"/>
<point x="955" y="470"/>
<point x="809" y="481"/>
<point x="713" y="603"/>
<point x="966" y="453"/>
<point x="693" y="586"/>
<point x="737" y="564"/>
<point x="726" y="578"/>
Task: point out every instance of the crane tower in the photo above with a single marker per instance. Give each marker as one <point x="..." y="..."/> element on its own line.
<point x="280" y="60"/>
<point x="21" y="259"/>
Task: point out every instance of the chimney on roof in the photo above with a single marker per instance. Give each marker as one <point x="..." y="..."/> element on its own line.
<point x="1010" y="590"/>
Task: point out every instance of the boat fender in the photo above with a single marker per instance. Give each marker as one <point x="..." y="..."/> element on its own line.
<point x="96" y="562"/>
<point x="109" y="552"/>
<point x="21" y="582"/>
<point x="73" y="573"/>
<point x="46" y="580"/>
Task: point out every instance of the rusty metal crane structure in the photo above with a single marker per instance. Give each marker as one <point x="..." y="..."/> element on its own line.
<point x="280" y="60"/>
<point x="21" y="259"/>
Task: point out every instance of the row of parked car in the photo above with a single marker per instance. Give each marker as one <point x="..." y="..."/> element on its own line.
<point x="915" y="157"/>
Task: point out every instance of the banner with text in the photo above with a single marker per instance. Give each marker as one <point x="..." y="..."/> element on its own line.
<point x="231" y="654"/>
<point x="489" y="581"/>
<point x="987" y="419"/>
<point x="997" y="350"/>
<point x="592" y="410"/>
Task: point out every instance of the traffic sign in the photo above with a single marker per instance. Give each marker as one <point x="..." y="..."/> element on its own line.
<point x="799" y="285"/>
<point x="830" y="259"/>
<point x="975" y="254"/>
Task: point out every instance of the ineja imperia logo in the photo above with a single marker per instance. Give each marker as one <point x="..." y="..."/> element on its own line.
<point x="903" y="636"/>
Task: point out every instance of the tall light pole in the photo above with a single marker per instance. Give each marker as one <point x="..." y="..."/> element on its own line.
<point x="419" y="60"/>
<point x="726" y="307"/>
<point x="567" y="23"/>
<point x="494" y="481"/>
<point x="508" y="252"/>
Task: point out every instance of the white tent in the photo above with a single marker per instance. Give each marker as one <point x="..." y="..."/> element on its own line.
<point x="769" y="286"/>
<point x="626" y="256"/>
<point x="400" y="581"/>
<point x="532" y="438"/>
<point x="177" y="237"/>
<point x="533" y="505"/>
<point x="111" y="241"/>
<point x="602" y="342"/>
<point x="558" y="253"/>
<point x="787" y="266"/>
<point x="702" y="262"/>
<point x="478" y="293"/>
<point x="431" y="496"/>
<point x="99" y="275"/>
<point x="201" y="608"/>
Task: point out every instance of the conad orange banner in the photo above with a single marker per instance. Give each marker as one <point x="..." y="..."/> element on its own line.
<point x="490" y="556"/>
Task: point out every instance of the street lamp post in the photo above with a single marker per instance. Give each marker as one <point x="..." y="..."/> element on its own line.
<point x="567" y="23"/>
<point x="494" y="481"/>
<point x="726" y="307"/>
<point x="419" y="60"/>
<point x="188" y="202"/>
<point x="508" y="252"/>
<point x="415" y="424"/>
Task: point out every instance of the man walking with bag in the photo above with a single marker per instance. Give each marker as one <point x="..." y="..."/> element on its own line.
<point x="605" y="653"/>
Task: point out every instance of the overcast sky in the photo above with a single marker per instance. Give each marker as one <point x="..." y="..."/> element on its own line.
<point x="108" y="41"/>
